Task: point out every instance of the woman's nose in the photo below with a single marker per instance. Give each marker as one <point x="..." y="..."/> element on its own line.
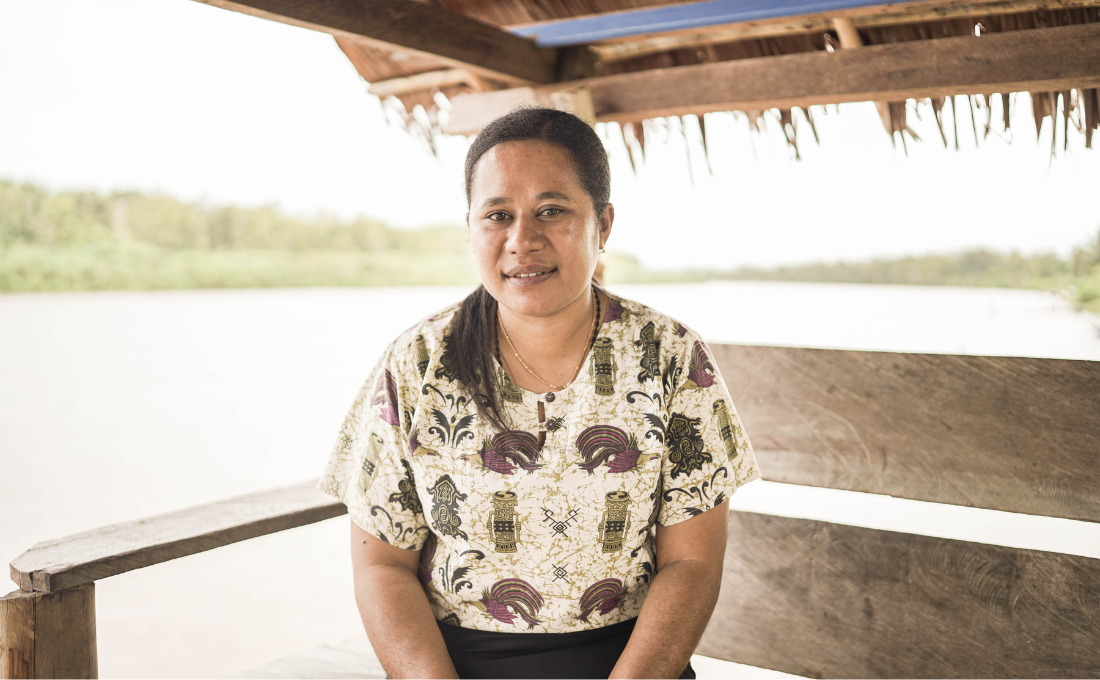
<point x="524" y="235"/>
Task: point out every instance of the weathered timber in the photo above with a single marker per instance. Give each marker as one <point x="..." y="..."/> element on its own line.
<point x="49" y="635"/>
<point x="17" y="635"/>
<point x="421" y="81"/>
<point x="893" y="14"/>
<point x="92" y="555"/>
<point x="832" y="601"/>
<point x="1005" y="433"/>
<point x="1065" y="57"/>
<point x="1046" y="59"/>
<point x="419" y="28"/>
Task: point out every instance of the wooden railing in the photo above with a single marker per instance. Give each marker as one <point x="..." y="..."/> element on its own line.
<point x="801" y="596"/>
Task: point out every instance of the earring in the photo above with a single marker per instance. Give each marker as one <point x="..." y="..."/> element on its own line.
<point x="602" y="250"/>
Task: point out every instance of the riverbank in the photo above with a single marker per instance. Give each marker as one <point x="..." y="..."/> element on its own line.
<point x="82" y="241"/>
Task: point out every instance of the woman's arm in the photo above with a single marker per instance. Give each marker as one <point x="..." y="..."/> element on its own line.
<point x="395" y="610"/>
<point x="680" y="599"/>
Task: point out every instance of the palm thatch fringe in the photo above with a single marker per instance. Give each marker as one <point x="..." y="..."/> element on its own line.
<point x="418" y="114"/>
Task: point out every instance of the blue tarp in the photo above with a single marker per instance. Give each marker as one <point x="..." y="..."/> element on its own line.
<point x="583" y="30"/>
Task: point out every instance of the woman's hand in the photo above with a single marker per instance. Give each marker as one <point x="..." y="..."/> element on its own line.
<point x="680" y="599"/>
<point x="395" y="610"/>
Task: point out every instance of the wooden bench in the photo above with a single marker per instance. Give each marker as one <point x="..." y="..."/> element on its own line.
<point x="801" y="596"/>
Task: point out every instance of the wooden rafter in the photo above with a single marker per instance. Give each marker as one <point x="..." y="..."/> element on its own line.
<point x="1033" y="60"/>
<point x="416" y="28"/>
<point x="425" y="81"/>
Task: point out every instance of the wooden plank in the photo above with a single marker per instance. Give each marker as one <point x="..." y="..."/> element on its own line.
<point x="1006" y="433"/>
<point x="1040" y="60"/>
<point x="471" y="112"/>
<point x="89" y="556"/>
<point x="1045" y="59"/>
<point x="49" y="635"/>
<point x="881" y="15"/>
<point x="422" y="81"/>
<point x="422" y="29"/>
<point x="17" y="635"/>
<point x="832" y="601"/>
<point x="65" y="634"/>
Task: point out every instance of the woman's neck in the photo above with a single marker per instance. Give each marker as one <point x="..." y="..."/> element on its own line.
<point x="551" y="346"/>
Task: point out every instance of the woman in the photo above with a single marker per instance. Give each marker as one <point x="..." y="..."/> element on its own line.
<point x="537" y="476"/>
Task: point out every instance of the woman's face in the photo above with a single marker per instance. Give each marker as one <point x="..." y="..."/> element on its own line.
<point x="533" y="227"/>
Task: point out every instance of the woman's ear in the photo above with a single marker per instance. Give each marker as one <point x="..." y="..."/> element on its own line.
<point x="606" y="220"/>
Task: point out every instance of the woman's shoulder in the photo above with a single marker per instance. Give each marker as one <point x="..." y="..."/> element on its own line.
<point x="425" y="337"/>
<point x="642" y="320"/>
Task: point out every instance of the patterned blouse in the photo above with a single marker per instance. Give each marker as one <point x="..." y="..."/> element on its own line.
<point x="546" y="527"/>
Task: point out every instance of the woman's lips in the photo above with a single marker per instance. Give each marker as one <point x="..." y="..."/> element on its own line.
<point x="530" y="278"/>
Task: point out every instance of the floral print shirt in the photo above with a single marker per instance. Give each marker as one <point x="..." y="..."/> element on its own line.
<point x="547" y="527"/>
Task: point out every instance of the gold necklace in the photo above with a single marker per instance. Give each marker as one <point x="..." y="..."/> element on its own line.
<point x="577" y="370"/>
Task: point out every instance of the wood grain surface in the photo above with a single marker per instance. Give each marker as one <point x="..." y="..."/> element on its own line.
<point x="832" y="601"/>
<point x="49" y="635"/>
<point x="92" y="555"/>
<point x="419" y="28"/>
<point x="17" y="635"/>
<point x="861" y="17"/>
<point x="1005" y="433"/>
<point x="1040" y="60"/>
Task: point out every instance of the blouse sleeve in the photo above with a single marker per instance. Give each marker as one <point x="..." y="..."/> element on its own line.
<point x="708" y="454"/>
<point x="369" y="468"/>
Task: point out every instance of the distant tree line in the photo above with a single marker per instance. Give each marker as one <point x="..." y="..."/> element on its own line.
<point x="973" y="267"/>
<point x="30" y="215"/>
<point x="52" y="241"/>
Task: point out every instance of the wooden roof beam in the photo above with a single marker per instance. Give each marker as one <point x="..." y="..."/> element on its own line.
<point x="862" y="17"/>
<point x="417" y="28"/>
<point x="1033" y="60"/>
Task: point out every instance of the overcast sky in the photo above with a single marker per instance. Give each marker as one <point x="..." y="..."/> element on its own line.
<point x="205" y="104"/>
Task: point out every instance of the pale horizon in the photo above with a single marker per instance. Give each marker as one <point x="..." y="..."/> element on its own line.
<point x="205" y="105"/>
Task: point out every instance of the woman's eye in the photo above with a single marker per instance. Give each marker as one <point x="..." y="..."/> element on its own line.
<point x="497" y="216"/>
<point x="552" y="211"/>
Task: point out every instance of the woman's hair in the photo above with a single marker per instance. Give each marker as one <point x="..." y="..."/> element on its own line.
<point x="473" y="333"/>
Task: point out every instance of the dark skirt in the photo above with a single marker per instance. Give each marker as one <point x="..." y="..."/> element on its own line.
<point x="581" y="654"/>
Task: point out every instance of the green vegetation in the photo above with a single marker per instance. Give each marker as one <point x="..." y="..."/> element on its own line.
<point x="60" y="241"/>
<point x="1078" y="276"/>
<point x="87" y="241"/>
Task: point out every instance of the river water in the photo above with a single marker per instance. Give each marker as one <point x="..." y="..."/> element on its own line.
<point x="116" y="406"/>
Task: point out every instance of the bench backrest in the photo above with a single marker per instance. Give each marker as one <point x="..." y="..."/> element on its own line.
<point x="827" y="600"/>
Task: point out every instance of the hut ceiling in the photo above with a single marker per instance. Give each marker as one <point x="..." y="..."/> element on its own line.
<point x="630" y="60"/>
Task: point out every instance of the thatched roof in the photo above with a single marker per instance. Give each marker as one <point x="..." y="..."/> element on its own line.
<point x="1079" y="108"/>
<point x="627" y="61"/>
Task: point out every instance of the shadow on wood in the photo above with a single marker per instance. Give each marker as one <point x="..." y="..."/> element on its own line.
<point x="1004" y="433"/>
<point x="829" y="600"/>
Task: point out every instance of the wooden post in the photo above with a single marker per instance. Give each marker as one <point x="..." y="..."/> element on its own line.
<point x="849" y="39"/>
<point x="49" y="635"/>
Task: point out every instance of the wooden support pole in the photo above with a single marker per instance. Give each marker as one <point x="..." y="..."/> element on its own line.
<point x="846" y="31"/>
<point x="49" y="635"/>
<point x="849" y="39"/>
